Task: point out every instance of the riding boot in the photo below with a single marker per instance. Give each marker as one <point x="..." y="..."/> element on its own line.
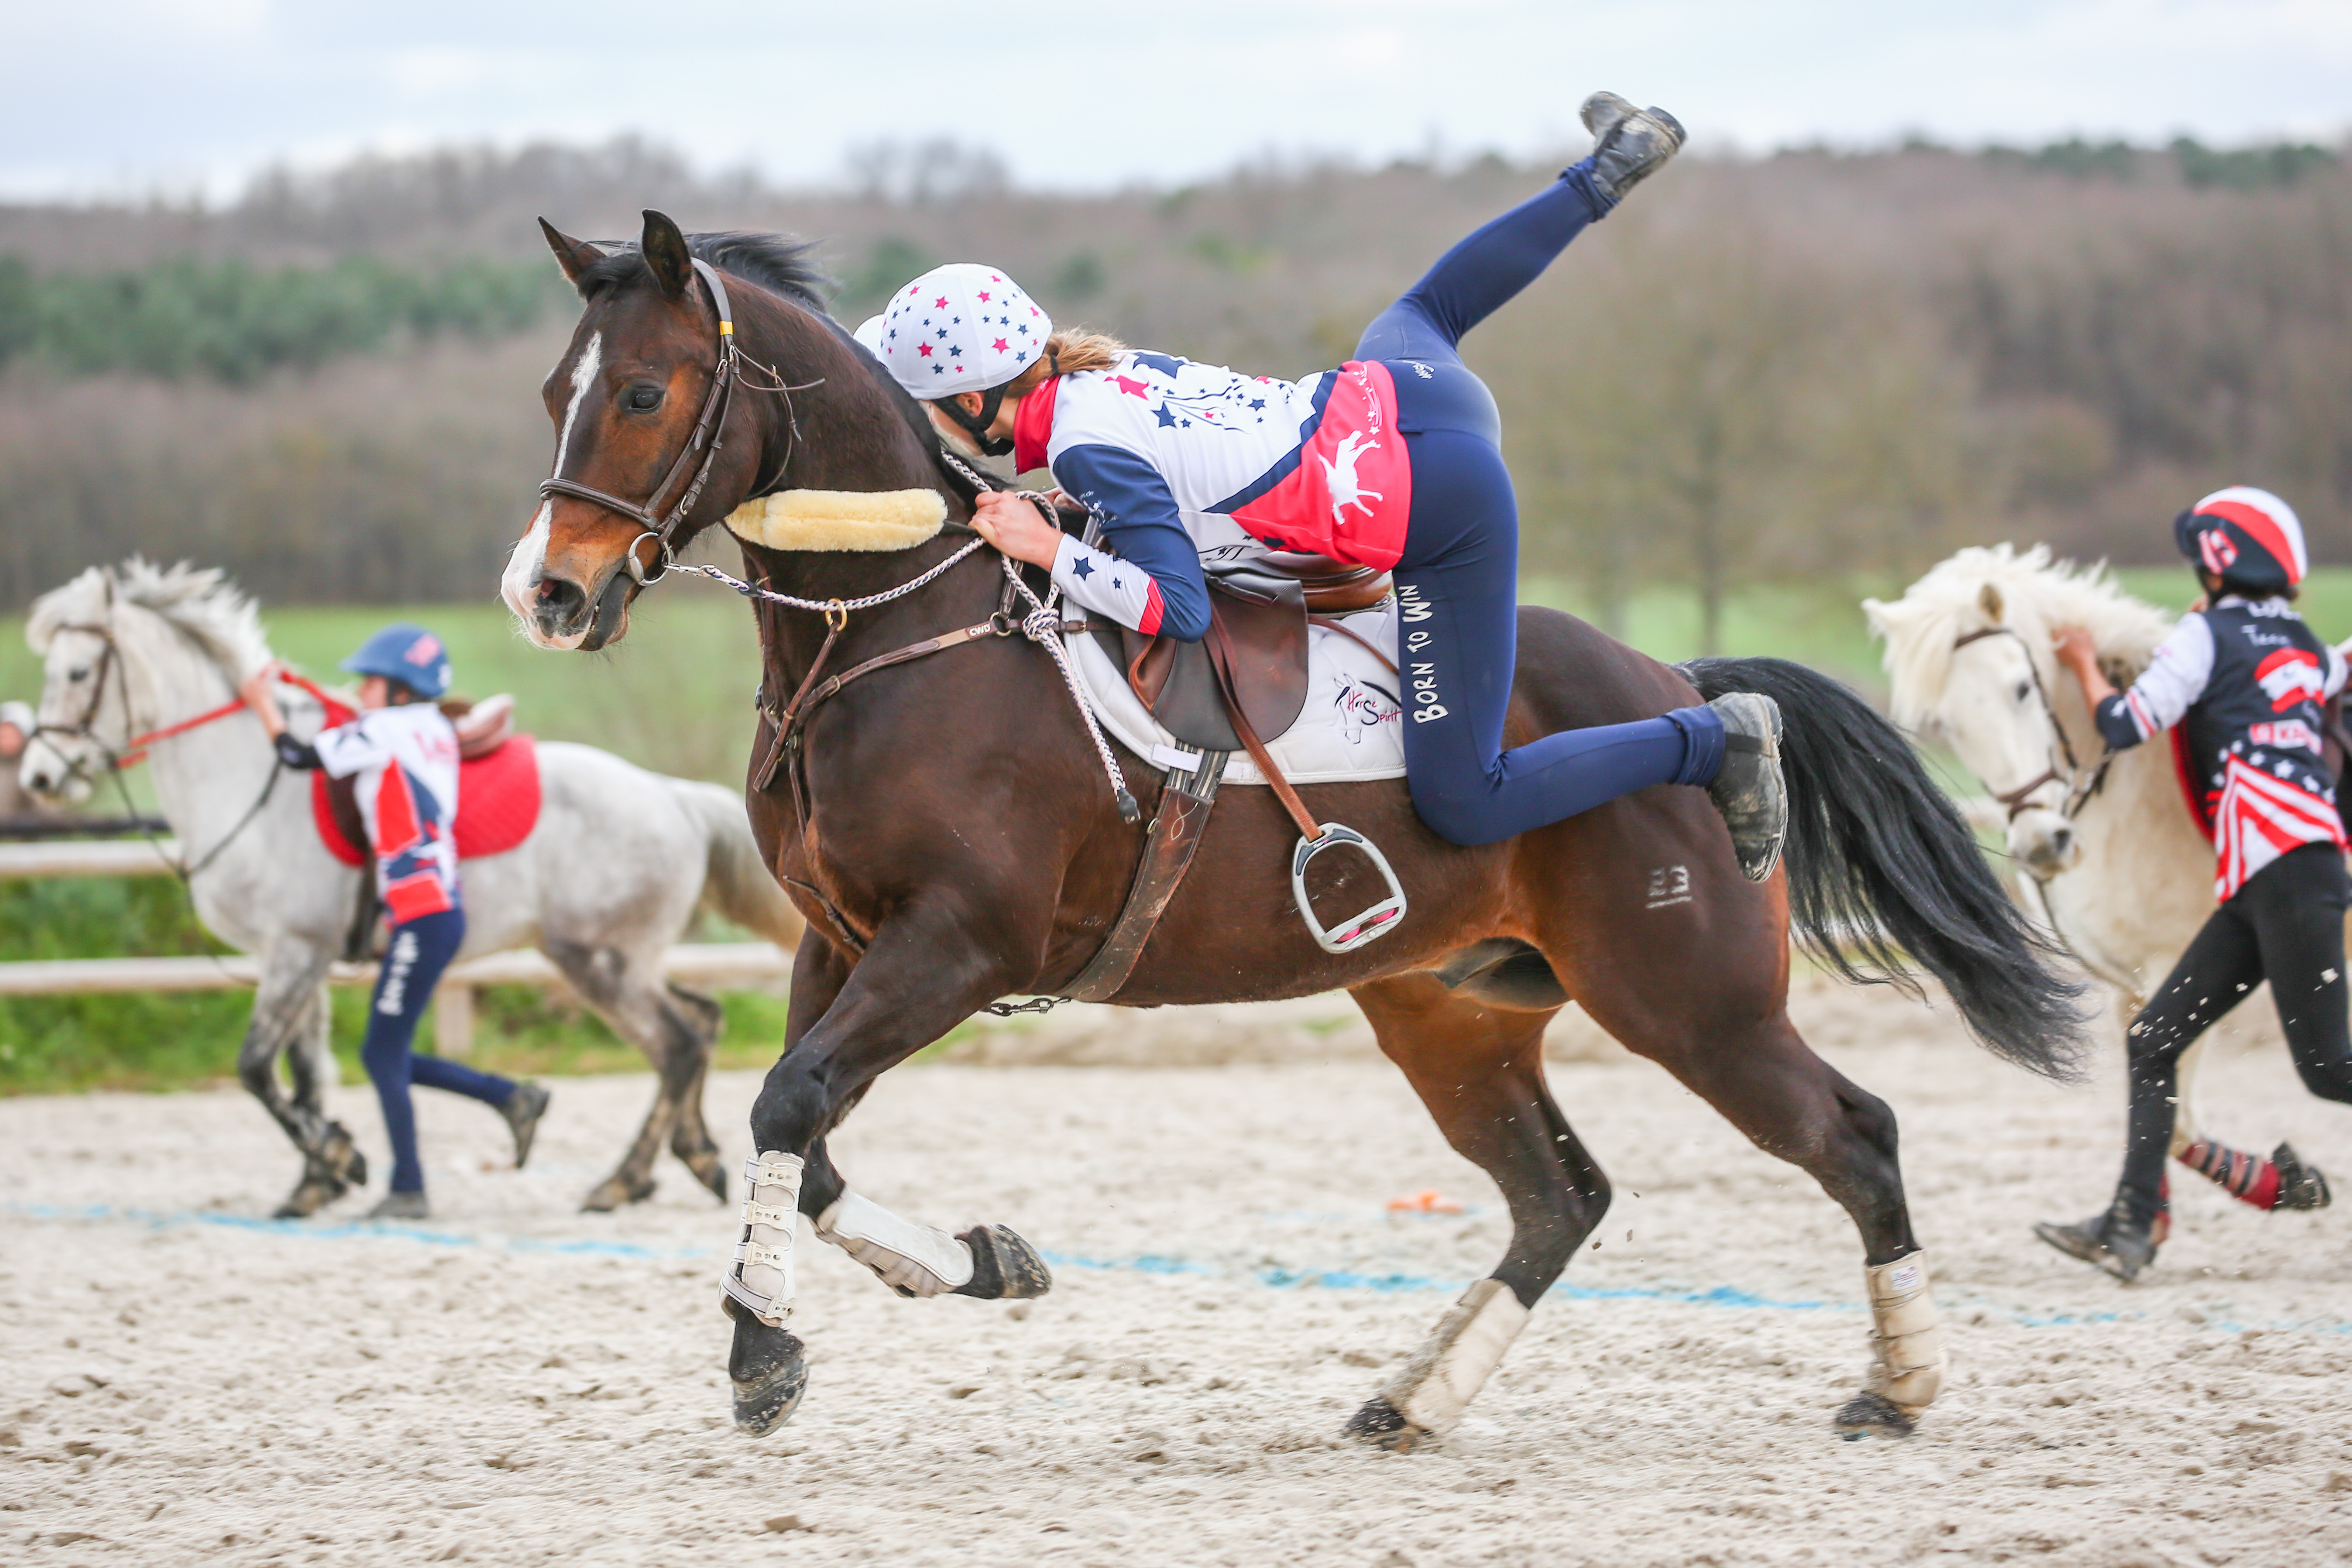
<point x="2111" y="1240"/>
<point x="2301" y="1186"/>
<point x="1748" y="790"/>
<point x="401" y="1205"/>
<point x="1629" y="143"/>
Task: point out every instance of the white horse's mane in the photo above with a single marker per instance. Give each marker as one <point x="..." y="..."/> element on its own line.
<point x="2029" y="592"/>
<point x="199" y="601"/>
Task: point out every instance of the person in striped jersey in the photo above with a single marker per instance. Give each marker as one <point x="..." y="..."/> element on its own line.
<point x="2245" y="681"/>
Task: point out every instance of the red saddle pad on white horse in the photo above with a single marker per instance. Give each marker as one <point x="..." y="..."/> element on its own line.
<point x="497" y="804"/>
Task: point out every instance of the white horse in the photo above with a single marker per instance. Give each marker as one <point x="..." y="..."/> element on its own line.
<point x="2118" y="868"/>
<point x="616" y="865"/>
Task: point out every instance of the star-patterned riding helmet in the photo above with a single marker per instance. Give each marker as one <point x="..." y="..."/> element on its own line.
<point x="961" y="327"/>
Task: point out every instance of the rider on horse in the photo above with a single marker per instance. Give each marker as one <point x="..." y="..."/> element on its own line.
<point x="404" y="752"/>
<point x="1393" y="460"/>
<point x="2248" y="679"/>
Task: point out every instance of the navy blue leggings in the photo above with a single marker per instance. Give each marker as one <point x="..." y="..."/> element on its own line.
<point x="420" y="949"/>
<point x="1457" y="583"/>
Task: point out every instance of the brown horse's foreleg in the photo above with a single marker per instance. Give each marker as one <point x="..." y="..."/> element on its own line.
<point x="1480" y="1072"/>
<point x="918" y="979"/>
<point x="1769" y="1083"/>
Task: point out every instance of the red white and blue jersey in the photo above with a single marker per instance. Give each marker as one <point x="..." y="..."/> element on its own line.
<point x="406" y="760"/>
<point x="1190" y="464"/>
<point x="2246" y="680"/>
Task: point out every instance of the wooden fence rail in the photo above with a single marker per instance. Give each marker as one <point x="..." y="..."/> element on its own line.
<point x="708" y="963"/>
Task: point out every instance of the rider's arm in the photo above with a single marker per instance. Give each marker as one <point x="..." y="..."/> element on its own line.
<point x="261" y="694"/>
<point x="1154" y="582"/>
<point x="2174" y="681"/>
<point x="348" y="748"/>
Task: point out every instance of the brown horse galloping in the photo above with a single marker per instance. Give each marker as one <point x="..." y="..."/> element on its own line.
<point x="960" y="846"/>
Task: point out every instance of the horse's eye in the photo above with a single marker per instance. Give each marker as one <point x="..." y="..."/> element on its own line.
<point x="641" y="398"/>
<point x="77" y="675"/>
<point x="2024" y="690"/>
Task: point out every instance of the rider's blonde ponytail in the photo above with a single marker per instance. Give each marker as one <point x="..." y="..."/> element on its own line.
<point x="1077" y="349"/>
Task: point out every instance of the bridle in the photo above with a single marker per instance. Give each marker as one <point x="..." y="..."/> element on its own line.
<point x="708" y="437"/>
<point x="134" y="750"/>
<point x="2077" y="795"/>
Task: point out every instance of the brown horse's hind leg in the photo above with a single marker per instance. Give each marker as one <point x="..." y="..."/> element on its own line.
<point x="1480" y="1072"/>
<point x="1769" y="1083"/>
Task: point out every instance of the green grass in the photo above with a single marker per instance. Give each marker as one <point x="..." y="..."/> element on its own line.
<point x="675" y="696"/>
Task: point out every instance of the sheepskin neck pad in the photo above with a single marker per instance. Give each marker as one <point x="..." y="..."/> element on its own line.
<point x="839" y="519"/>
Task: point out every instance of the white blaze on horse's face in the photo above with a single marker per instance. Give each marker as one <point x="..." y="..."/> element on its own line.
<point x="59" y="763"/>
<point x="519" y="586"/>
<point x="1994" y="719"/>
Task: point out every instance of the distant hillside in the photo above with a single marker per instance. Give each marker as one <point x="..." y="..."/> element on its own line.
<point x="1815" y="363"/>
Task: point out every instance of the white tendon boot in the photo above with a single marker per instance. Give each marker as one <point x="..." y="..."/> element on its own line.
<point x="912" y="1260"/>
<point x="1429" y="1394"/>
<point x="760" y="1278"/>
<point x="1908" y="1355"/>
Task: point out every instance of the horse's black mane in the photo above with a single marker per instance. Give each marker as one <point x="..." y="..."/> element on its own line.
<point x="775" y="261"/>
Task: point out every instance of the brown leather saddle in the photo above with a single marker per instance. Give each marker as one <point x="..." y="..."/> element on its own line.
<point x="1261" y="608"/>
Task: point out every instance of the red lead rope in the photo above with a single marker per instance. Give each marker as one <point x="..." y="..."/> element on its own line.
<point x="134" y="751"/>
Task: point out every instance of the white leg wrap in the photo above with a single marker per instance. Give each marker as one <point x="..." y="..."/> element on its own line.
<point x="912" y="1260"/>
<point x="1908" y="1358"/>
<point x="1436" y="1386"/>
<point x="761" y="1277"/>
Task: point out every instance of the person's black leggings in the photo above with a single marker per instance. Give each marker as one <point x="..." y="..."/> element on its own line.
<point x="2285" y="926"/>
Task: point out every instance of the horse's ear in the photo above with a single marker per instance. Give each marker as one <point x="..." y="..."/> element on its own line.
<point x="575" y="255"/>
<point x="664" y="249"/>
<point x="1875" y="612"/>
<point x="1989" y="601"/>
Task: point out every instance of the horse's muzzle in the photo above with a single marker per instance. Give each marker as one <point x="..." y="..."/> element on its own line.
<point x="561" y="614"/>
<point x="48" y="775"/>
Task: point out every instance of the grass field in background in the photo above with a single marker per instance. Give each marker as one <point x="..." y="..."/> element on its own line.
<point x="675" y="696"/>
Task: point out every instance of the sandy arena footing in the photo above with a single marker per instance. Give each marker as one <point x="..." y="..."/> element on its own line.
<point x="183" y="1380"/>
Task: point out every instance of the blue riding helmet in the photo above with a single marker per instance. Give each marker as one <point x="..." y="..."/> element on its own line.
<point x="408" y="654"/>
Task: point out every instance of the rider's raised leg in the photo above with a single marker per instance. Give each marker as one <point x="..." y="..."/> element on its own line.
<point x="1458" y="636"/>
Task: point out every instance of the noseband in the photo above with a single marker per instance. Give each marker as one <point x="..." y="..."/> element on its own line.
<point x="708" y="437"/>
<point x="2015" y="802"/>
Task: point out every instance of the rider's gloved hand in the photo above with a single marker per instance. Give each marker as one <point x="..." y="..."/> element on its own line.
<point x="295" y="753"/>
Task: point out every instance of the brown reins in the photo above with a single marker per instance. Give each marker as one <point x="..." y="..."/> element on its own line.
<point x="2014" y="801"/>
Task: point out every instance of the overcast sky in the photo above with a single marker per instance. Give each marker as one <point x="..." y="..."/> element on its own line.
<point x="128" y="96"/>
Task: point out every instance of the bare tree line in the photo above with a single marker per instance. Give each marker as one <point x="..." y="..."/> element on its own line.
<point x="1808" y="366"/>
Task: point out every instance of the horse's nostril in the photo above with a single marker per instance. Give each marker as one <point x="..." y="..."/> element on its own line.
<point x="559" y="601"/>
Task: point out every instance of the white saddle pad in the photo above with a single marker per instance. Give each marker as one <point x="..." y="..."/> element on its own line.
<point x="1350" y="728"/>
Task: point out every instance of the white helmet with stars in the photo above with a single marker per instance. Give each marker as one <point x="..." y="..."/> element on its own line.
<point x="960" y="328"/>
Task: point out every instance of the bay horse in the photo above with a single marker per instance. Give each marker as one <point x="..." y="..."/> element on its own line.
<point x="2120" y="870"/>
<point x="957" y="846"/>
<point x="607" y="878"/>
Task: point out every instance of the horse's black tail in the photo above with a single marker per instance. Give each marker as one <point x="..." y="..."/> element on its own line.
<point x="1881" y="869"/>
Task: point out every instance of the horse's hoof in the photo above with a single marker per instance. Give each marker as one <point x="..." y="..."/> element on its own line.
<point x="1383" y="1425"/>
<point x="1868" y="1413"/>
<point x="612" y="1193"/>
<point x="769" y="1374"/>
<point x="339" y="1154"/>
<point x="314" y="1192"/>
<point x="1003" y="1266"/>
